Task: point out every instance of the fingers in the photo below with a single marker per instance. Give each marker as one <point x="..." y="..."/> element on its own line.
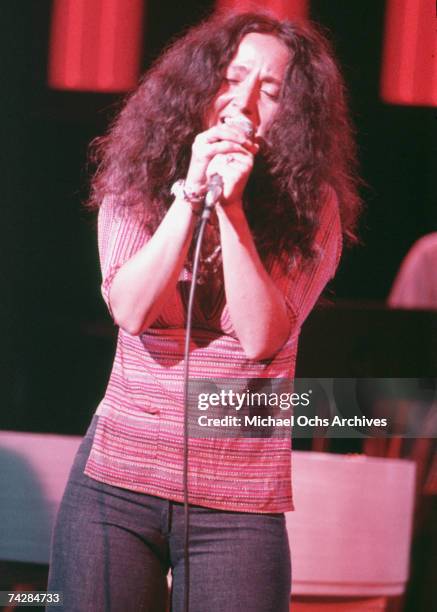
<point x="234" y="168"/>
<point x="226" y="134"/>
<point x="231" y="165"/>
<point x="219" y="141"/>
<point x="224" y="147"/>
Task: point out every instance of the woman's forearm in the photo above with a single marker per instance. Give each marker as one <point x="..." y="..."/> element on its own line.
<point x="142" y="284"/>
<point x="256" y="306"/>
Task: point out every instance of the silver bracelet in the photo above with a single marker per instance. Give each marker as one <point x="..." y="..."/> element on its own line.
<point x="194" y="198"/>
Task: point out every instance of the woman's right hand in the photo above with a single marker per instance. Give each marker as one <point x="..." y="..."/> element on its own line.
<point x="220" y="140"/>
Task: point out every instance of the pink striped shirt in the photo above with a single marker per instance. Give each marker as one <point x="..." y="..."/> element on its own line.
<point x="138" y="443"/>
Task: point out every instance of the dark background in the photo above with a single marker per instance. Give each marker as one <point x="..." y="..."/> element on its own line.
<point x="56" y="350"/>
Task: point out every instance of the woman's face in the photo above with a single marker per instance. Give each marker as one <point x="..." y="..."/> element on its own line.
<point x="252" y="82"/>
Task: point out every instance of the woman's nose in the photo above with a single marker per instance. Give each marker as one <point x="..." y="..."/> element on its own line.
<point x="246" y="99"/>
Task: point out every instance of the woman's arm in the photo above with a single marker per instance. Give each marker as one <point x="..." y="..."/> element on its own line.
<point x="139" y="274"/>
<point x="277" y="303"/>
<point x="256" y="306"/>
<point x="141" y="286"/>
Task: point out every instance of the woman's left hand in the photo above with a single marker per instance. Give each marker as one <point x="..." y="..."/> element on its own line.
<point x="223" y="149"/>
<point x="234" y="168"/>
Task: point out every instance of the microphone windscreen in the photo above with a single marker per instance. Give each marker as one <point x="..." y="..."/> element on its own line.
<point x="242" y="122"/>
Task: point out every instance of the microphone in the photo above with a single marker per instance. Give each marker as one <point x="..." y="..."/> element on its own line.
<point x="243" y="123"/>
<point x="215" y="183"/>
<point x="213" y="194"/>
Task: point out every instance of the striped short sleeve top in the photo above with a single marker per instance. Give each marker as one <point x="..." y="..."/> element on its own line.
<point x="138" y="444"/>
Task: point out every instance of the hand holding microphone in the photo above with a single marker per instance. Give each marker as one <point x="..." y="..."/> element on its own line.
<point x="222" y="159"/>
<point x="231" y="164"/>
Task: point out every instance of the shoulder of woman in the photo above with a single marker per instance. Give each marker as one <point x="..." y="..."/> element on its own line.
<point x="119" y="208"/>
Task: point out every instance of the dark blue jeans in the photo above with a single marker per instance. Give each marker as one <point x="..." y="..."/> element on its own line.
<point x="112" y="549"/>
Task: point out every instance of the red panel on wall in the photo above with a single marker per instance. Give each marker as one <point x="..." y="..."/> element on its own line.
<point x="409" y="70"/>
<point x="282" y="9"/>
<point x="95" y="45"/>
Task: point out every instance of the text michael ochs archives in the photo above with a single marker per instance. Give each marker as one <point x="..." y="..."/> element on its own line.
<point x="307" y="407"/>
<point x="248" y="401"/>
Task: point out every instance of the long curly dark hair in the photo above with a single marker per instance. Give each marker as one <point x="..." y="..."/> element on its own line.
<point x="308" y="148"/>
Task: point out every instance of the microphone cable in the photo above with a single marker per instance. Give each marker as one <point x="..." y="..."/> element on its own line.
<point x="213" y="195"/>
<point x="215" y="189"/>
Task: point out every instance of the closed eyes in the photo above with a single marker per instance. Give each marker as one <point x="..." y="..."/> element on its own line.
<point x="272" y="95"/>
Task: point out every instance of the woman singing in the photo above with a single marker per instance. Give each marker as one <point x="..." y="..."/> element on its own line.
<point x="261" y="104"/>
